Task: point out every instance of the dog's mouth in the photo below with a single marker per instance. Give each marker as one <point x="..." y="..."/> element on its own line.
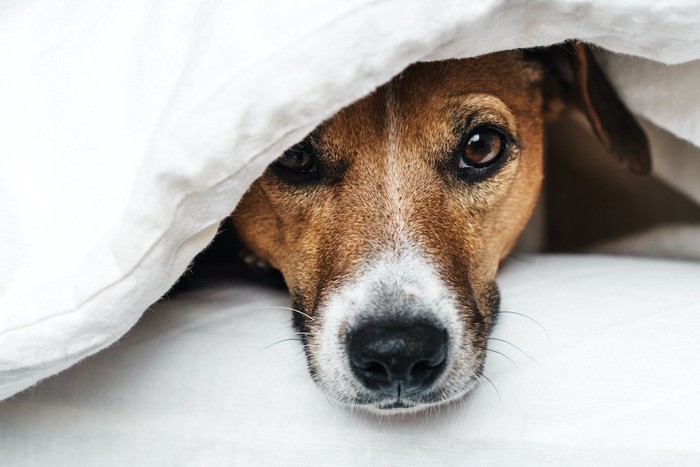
<point x="395" y="406"/>
<point x="386" y="405"/>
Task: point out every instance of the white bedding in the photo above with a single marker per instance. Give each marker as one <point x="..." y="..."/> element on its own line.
<point x="605" y="373"/>
<point x="129" y="129"/>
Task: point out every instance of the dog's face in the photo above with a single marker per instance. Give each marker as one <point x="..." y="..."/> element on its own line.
<point x="388" y="223"/>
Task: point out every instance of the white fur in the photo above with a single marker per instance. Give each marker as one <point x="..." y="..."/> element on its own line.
<point x="394" y="177"/>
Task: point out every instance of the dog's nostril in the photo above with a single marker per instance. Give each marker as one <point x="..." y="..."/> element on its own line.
<point x="372" y="367"/>
<point x="373" y="370"/>
<point x="398" y="357"/>
<point x="424" y="368"/>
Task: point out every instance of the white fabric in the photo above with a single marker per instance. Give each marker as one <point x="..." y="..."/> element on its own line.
<point x="681" y="241"/>
<point x="605" y="373"/>
<point x="129" y="128"/>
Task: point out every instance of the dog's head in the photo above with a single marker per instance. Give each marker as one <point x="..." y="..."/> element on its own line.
<point x="388" y="222"/>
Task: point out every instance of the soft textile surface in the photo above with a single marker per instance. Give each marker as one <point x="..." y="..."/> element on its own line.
<point x="129" y="129"/>
<point x="605" y="373"/>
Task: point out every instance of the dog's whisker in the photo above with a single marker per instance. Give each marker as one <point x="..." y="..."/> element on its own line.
<point x="531" y="319"/>
<point x="498" y="393"/>
<point x="514" y="346"/>
<point x="280" y="341"/>
<point x="310" y="318"/>
<point x="506" y="357"/>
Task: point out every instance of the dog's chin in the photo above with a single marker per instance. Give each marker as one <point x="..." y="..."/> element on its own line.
<point x="400" y="407"/>
<point x="383" y="406"/>
<point x="397" y="407"/>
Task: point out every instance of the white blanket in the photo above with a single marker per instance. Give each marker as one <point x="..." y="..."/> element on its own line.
<point x="130" y="128"/>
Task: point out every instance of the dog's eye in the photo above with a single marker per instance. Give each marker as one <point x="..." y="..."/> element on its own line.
<point x="298" y="159"/>
<point x="298" y="165"/>
<point x="483" y="146"/>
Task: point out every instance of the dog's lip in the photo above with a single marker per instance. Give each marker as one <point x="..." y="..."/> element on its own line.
<point x="398" y="407"/>
<point x="388" y="403"/>
<point x="388" y="406"/>
<point x="396" y="404"/>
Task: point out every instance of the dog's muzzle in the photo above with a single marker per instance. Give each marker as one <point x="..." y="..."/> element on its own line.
<point x="397" y="358"/>
<point x="393" y="339"/>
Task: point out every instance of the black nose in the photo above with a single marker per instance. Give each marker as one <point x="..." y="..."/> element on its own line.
<point x="397" y="358"/>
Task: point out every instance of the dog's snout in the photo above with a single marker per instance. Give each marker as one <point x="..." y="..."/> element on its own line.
<point x="397" y="358"/>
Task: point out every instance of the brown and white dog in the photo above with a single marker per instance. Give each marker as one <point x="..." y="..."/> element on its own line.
<point x="389" y="221"/>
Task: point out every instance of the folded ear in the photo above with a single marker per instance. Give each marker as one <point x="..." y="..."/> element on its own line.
<point x="580" y="82"/>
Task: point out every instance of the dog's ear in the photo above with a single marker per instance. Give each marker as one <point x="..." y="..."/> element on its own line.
<point x="574" y="78"/>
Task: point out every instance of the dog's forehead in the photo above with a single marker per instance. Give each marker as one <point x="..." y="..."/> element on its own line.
<point x="503" y="74"/>
<point x="420" y="100"/>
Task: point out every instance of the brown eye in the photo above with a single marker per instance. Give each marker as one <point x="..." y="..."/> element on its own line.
<point x="482" y="147"/>
<point x="298" y="159"/>
<point x="299" y="164"/>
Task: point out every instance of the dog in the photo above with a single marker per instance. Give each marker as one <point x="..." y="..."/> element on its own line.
<point x="389" y="221"/>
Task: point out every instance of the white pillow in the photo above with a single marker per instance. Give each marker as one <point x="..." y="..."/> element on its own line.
<point x="129" y="129"/>
<point x="600" y="368"/>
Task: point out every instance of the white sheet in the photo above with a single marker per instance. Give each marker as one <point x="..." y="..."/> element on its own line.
<point x="605" y="373"/>
<point x="128" y="129"/>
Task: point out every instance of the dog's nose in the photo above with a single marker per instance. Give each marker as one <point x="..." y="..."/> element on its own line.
<point x="397" y="358"/>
